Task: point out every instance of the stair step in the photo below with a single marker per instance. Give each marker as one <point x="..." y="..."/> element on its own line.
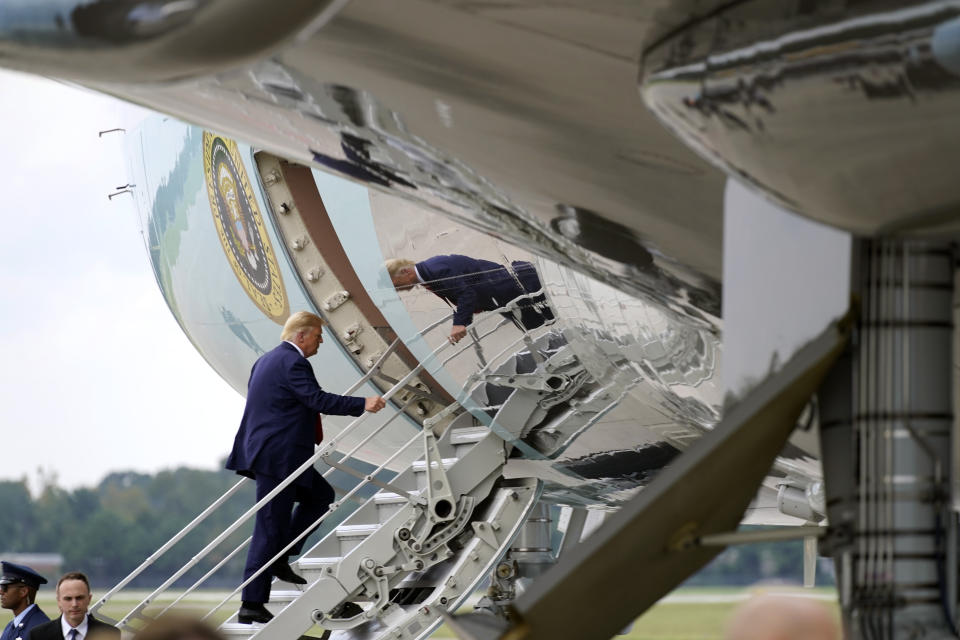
<point x="316" y="564"/>
<point x="420" y="466"/>
<point x="285" y="596"/>
<point x="352" y="536"/>
<point x="385" y="497"/>
<point x="356" y="530"/>
<point x="468" y="435"/>
<point x="388" y="504"/>
<point x="237" y="630"/>
<point x="279" y="599"/>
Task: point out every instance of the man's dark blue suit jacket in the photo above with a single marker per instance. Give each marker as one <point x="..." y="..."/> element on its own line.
<point x="33" y="618"/>
<point x="469" y="284"/>
<point x="277" y="431"/>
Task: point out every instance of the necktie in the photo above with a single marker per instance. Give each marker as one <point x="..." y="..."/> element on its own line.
<point x="317" y="436"/>
<point x="74" y="634"/>
<point x="7" y="632"/>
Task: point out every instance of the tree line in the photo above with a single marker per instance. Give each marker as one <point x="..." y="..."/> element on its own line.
<point x="109" y="530"/>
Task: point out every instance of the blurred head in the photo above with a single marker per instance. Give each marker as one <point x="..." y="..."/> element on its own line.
<point x="782" y="617"/>
<point x="73" y="597"/>
<point x="177" y="626"/>
<point x="403" y="275"/>
<point x="305" y="330"/>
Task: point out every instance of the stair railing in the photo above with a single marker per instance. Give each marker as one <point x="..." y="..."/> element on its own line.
<point x="322" y="452"/>
<point x="370" y="477"/>
<point x="167" y="545"/>
<point x="239" y="522"/>
<point x="216" y="504"/>
<point x="333" y="507"/>
<point x="232" y="490"/>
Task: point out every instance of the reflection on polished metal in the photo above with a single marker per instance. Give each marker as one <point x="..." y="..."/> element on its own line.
<point x="541" y="140"/>
<point x="437" y="528"/>
<point x="892" y="532"/>
<point x="149" y="40"/>
<point x="650" y="535"/>
<point x="376" y="147"/>
<point x="521" y="120"/>
<point x="767" y="91"/>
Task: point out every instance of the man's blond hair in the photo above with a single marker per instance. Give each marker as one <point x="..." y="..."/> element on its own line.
<point x="394" y="265"/>
<point x="300" y="321"/>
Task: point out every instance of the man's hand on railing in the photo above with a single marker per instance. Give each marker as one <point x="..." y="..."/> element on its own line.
<point x="457" y="333"/>
<point x="374" y="404"/>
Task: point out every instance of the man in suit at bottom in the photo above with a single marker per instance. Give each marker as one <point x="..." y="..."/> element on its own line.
<point x="74" y="623"/>
<point x="278" y="431"/>
<point x="18" y="591"/>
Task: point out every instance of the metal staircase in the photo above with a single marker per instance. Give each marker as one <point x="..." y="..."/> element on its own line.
<point x="424" y="542"/>
<point x="420" y="546"/>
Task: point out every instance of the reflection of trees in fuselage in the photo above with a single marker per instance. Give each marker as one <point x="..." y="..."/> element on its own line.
<point x="240" y="330"/>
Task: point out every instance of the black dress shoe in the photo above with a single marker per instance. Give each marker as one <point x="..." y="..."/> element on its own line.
<point x="251" y="612"/>
<point x="283" y="571"/>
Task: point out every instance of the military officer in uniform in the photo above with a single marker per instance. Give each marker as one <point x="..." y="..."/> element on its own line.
<point x="18" y="591"/>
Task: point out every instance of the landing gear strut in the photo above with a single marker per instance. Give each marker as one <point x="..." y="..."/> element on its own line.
<point x="886" y="433"/>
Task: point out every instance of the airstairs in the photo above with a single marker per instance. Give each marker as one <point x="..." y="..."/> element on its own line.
<point x="433" y="532"/>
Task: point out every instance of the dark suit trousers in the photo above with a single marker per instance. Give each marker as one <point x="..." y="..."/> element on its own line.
<point x="534" y="312"/>
<point x="278" y="522"/>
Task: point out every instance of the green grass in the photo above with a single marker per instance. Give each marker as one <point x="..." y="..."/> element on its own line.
<point x="689" y="621"/>
<point x="665" y="621"/>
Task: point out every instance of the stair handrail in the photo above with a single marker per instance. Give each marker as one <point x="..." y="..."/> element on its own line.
<point x="220" y="564"/>
<point x="320" y="452"/>
<point x="473" y="380"/>
<point x="166" y="546"/>
<point x="232" y="490"/>
<point x="389" y="350"/>
<point x="333" y="507"/>
<point x="369" y="477"/>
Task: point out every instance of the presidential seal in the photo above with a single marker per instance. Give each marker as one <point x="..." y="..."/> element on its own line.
<point x="240" y="227"/>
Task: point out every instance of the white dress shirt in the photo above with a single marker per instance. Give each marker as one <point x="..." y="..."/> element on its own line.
<point x="81" y="628"/>
<point x="299" y="350"/>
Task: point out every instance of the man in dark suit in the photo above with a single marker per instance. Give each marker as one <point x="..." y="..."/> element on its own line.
<point x="280" y="426"/>
<point x="18" y="592"/>
<point x="74" y="623"/>
<point x="472" y="285"/>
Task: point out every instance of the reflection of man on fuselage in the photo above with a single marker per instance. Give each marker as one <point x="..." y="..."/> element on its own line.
<point x="277" y="434"/>
<point x="472" y="285"/>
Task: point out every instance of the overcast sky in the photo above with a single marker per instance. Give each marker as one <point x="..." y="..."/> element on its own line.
<point x="95" y="374"/>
